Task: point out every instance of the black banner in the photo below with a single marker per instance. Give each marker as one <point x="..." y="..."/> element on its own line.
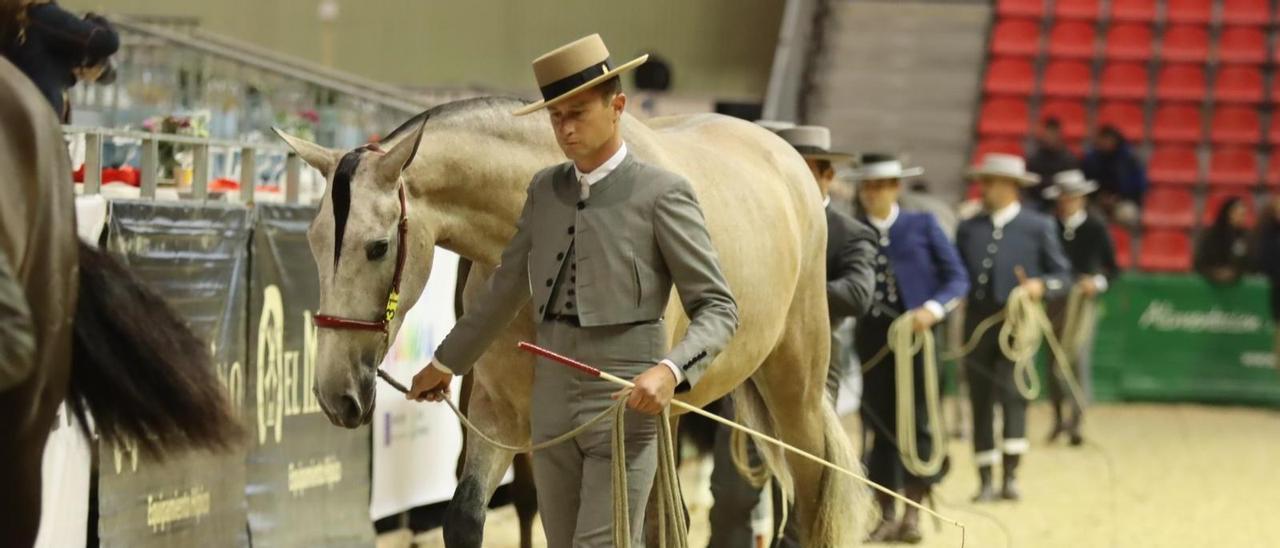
<point x="197" y="256"/>
<point x="308" y="481"/>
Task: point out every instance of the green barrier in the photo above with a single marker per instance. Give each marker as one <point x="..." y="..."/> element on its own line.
<point x="1178" y="338"/>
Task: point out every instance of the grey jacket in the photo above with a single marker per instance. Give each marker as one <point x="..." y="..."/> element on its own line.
<point x="1030" y="240"/>
<point x="640" y="232"/>
<point x="851" y="271"/>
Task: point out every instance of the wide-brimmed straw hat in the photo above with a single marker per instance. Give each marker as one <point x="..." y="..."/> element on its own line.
<point x="1009" y="166"/>
<point x="813" y="142"/>
<point x="876" y="166"/>
<point x="1071" y="182"/>
<point x="574" y="68"/>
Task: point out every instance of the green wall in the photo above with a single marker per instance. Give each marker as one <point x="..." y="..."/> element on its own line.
<point x="716" y="47"/>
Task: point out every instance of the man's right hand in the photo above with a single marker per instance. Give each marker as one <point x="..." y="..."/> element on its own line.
<point x="430" y="384"/>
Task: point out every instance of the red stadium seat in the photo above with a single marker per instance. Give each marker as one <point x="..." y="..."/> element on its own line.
<point x="1238" y="84"/>
<point x="1246" y="12"/>
<point x="1020" y="8"/>
<point x="1133" y="10"/>
<point x="1010" y="76"/>
<point x="1072" y="39"/>
<point x="1129" y="41"/>
<point x="1076" y="9"/>
<point x="1189" y="43"/>
<point x="1003" y="116"/>
<point x="996" y="144"/>
<point x="1067" y="79"/>
<point x="1124" y="116"/>
<point x="1069" y="112"/>
<point x="1188" y="11"/>
<point x="1122" y="239"/>
<point x="1174" y="165"/>
<point x="1177" y="123"/>
<point x="1019" y="37"/>
<point x="1124" y="81"/>
<point x="1242" y="45"/>
<point x="1180" y="83"/>
<point x="1273" y="168"/>
<point x="1169" y="208"/>
<point x="1233" y="166"/>
<point x="1238" y="125"/>
<point x="1165" y="251"/>
<point x="1214" y="201"/>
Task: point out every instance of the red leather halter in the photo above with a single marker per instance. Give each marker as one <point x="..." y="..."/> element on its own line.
<point x="393" y="296"/>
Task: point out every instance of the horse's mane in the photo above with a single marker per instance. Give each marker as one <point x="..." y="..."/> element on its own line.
<point x="445" y="112"/>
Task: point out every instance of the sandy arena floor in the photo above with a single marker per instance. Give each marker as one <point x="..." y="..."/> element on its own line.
<point x="1149" y="476"/>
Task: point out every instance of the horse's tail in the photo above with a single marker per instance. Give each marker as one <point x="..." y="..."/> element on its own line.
<point x="750" y="410"/>
<point x="138" y="368"/>
<point x="839" y="519"/>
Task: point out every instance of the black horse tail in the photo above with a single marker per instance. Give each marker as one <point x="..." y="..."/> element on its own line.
<point x="139" y="370"/>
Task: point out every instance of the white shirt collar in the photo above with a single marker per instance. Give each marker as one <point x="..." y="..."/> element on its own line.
<point x="883" y="224"/>
<point x="826" y="201"/>
<point x="1001" y="217"/>
<point x="1075" y="220"/>
<point x="605" y="169"/>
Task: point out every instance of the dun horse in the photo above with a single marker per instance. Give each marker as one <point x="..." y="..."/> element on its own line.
<point x="74" y="323"/>
<point x="464" y="168"/>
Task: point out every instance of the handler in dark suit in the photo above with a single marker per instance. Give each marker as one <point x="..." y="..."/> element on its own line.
<point x="850" y="259"/>
<point x="599" y="245"/>
<point x="1093" y="262"/>
<point x="1004" y="247"/>
<point x="918" y="272"/>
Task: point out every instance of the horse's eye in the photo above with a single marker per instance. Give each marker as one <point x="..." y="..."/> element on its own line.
<point x="376" y="249"/>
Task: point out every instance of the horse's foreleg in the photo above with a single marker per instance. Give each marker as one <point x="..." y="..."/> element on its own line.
<point x="483" y="470"/>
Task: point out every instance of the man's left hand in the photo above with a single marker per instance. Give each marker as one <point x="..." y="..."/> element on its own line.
<point x="653" y="391"/>
<point x="922" y="319"/>
<point x="1033" y="286"/>
<point x="1088" y="286"/>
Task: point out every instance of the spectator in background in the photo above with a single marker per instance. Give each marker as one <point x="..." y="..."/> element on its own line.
<point x="1267" y="254"/>
<point x="1222" y="255"/>
<point x="1121" y="177"/>
<point x="55" y="47"/>
<point x="1051" y="156"/>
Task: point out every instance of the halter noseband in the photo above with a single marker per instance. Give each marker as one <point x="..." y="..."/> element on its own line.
<point x="393" y="296"/>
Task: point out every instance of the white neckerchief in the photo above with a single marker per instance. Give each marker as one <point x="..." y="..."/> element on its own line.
<point x="1002" y="216"/>
<point x="883" y="225"/>
<point x="826" y="201"/>
<point x="1074" y="221"/>
<point x="597" y="174"/>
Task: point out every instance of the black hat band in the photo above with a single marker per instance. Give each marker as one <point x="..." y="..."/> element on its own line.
<point x="573" y="81"/>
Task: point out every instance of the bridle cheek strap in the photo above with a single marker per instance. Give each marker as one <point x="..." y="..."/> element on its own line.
<point x="393" y="295"/>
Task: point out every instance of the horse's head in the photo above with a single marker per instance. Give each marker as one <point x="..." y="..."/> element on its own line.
<point x="361" y="242"/>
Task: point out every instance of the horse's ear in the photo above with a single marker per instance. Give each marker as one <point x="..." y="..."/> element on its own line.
<point x="314" y="155"/>
<point x="401" y="155"/>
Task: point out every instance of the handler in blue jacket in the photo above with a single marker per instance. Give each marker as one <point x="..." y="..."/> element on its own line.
<point x="918" y="272"/>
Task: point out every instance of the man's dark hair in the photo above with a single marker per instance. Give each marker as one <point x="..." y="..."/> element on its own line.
<point x="608" y="89"/>
<point x="823" y="166"/>
<point x="1053" y="124"/>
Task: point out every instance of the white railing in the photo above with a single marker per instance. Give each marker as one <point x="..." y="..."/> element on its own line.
<point x="246" y="156"/>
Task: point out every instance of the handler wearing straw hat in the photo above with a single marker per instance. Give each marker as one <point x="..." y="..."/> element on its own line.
<point x="1003" y="248"/>
<point x="1093" y="261"/>
<point x="600" y="243"/>
<point x="918" y="274"/>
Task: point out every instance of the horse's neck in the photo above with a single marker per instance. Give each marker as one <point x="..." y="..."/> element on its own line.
<point x="472" y="187"/>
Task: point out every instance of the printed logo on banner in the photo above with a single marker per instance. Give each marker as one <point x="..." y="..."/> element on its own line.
<point x="283" y="389"/>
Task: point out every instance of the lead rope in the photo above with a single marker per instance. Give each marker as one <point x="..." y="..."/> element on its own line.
<point x="673" y="531"/>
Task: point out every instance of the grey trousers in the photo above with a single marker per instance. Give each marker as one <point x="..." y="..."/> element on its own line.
<point x="734" y="497"/>
<point x="575" y="495"/>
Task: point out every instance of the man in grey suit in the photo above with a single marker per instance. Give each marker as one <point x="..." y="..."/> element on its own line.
<point x="1004" y="247"/>
<point x="851" y="253"/>
<point x="600" y="243"/>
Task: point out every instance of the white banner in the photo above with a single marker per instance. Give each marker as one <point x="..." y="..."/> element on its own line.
<point x="64" y="500"/>
<point x="416" y="445"/>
